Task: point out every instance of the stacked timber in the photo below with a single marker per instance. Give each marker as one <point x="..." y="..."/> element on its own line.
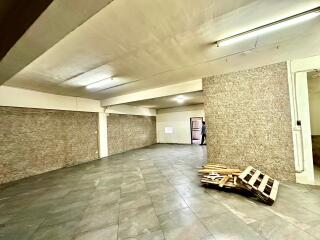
<point x="251" y="179"/>
<point x="220" y="175"/>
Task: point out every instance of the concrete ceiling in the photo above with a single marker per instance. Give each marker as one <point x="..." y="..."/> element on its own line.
<point x="145" y="44"/>
<point x="171" y="101"/>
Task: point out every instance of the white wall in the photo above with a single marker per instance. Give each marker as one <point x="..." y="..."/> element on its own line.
<point x="131" y="110"/>
<point x="314" y="105"/>
<point x="18" y="97"/>
<point x="179" y="120"/>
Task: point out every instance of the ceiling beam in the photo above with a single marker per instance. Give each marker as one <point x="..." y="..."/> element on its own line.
<point x="16" y="17"/>
<point x="57" y="21"/>
<point x="174" y="89"/>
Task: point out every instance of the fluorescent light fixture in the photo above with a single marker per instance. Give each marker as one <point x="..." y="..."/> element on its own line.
<point x="286" y="22"/>
<point x="180" y="99"/>
<point x="99" y="84"/>
<point x="90" y="77"/>
<point x="83" y="81"/>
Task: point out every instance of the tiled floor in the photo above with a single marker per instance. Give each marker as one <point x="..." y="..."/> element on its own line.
<point x="151" y="193"/>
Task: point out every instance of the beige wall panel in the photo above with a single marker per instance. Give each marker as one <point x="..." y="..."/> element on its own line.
<point x="249" y="121"/>
<point x="126" y="132"/>
<point x="33" y="141"/>
<point x="178" y="119"/>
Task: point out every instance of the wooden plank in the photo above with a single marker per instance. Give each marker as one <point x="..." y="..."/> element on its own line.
<point x="216" y="165"/>
<point x="263" y="183"/>
<point x="274" y="190"/>
<point x="245" y="172"/>
<point x="204" y="180"/>
<point x="254" y="178"/>
<point x="214" y="177"/>
<point x="228" y="184"/>
<point x="223" y="181"/>
<point x="223" y="171"/>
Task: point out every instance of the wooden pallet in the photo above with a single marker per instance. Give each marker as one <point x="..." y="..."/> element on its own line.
<point x="221" y="180"/>
<point x="260" y="184"/>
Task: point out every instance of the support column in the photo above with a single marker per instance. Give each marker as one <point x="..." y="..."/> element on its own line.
<point x="103" y="135"/>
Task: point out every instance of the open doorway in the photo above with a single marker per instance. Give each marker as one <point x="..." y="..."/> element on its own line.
<point x="303" y="89"/>
<point x="304" y="85"/>
<point x="314" y="110"/>
<point x="195" y="127"/>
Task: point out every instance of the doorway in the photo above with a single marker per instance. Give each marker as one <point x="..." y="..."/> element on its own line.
<point x="305" y="117"/>
<point x="195" y="128"/>
<point x="314" y="110"/>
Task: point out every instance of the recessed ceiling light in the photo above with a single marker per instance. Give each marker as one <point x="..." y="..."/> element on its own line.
<point x="180" y="99"/>
<point x="289" y="21"/>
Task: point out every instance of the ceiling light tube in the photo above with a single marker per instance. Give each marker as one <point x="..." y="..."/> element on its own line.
<point x="99" y="84"/>
<point x="289" y="21"/>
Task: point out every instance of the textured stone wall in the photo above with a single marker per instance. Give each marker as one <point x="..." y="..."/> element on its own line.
<point x="316" y="149"/>
<point x="126" y="132"/>
<point x="33" y="141"/>
<point x="249" y="121"/>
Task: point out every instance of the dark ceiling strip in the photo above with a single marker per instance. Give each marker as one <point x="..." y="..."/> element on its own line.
<point x="17" y="17"/>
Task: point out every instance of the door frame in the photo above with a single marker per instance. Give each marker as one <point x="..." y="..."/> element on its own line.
<point x="191" y="127"/>
<point x="301" y="133"/>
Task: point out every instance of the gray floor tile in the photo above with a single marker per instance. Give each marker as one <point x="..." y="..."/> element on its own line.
<point x="108" y="233"/>
<point x="99" y="216"/>
<point x="156" y="235"/>
<point x="298" y="216"/>
<point x="63" y="231"/>
<point x="19" y="231"/>
<point x="276" y="228"/>
<point x="314" y="231"/>
<point x="169" y="204"/>
<point x="74" y="214"/>
<point x="134" y="200"/>
<point x="190" y="189"/>
<point x="247" y="210"/>
<point x="63" y="206"/>
<point x="204" y="209"/>
<point x="229" y="226"/>
<point x="195" y="231"/>
<point x="158" y="190"/>
<point x="105" y="196"/>
<point x="137" y="221"/>
<point x="133" y="186"/>
<point x="177" y="219"/>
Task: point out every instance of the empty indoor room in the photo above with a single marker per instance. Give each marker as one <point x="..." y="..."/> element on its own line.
<point x="159" y="119"/>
